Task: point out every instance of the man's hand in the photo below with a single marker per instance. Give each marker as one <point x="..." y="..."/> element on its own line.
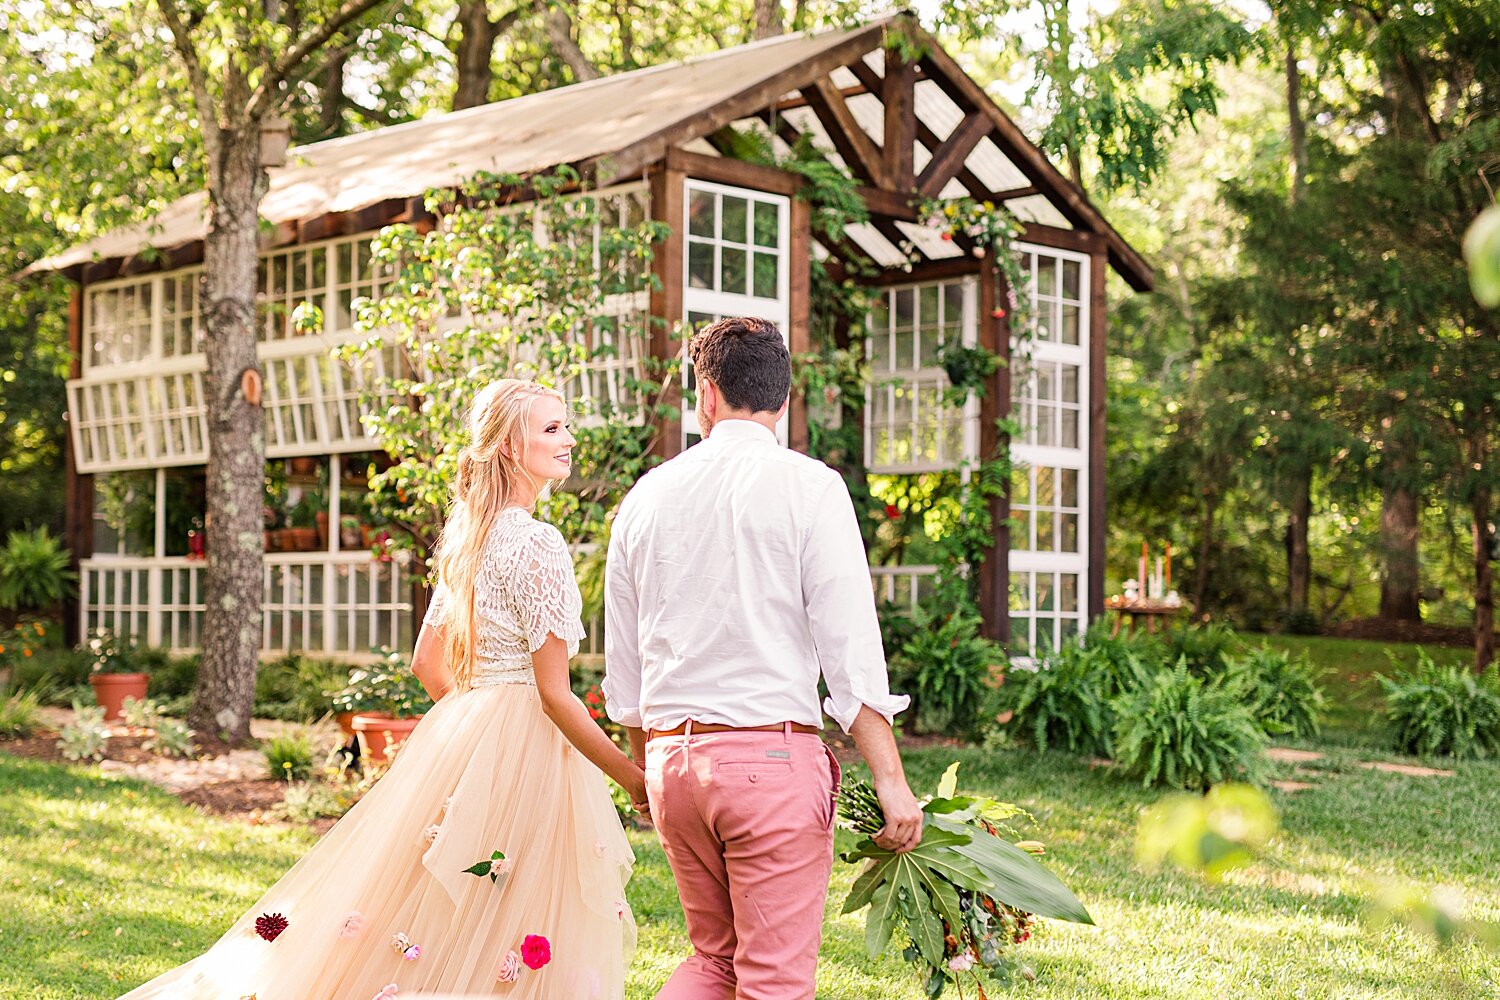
<point x="903" y="816"/>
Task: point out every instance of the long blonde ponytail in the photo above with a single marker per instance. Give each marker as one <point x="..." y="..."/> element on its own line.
<point x="488" y="480"/>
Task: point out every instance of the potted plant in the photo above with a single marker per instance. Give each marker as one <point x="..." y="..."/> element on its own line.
<point x="301" y="534"/>
<point x="397" y="703"/>
<point x="112" y="673"/>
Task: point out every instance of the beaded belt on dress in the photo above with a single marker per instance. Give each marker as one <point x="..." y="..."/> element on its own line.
<point x="509" y="675"/>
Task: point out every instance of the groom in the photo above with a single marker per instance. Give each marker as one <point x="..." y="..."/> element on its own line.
<point x="736" y="576"/>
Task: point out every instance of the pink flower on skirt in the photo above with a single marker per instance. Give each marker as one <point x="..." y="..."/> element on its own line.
<point x="400" y="942"/>
<point x="431" y="833"/>
<point x="413" y="953"/>
<point x="353" y="924"/>
<point x="620" y="908"/>
<point x="510" y="968"/>
<point x="501" y="867"/>
<point x="536" y="951"/>
<point x="387" y="992"/>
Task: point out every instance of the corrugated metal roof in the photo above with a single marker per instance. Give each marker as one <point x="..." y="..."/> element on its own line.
<point x="529" y="133"/>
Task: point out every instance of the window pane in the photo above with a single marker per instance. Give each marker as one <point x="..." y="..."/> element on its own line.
<point x="765" y="275"/>
<point x="700" y="264"/>
<point x="732" y="269"/>
<point x="1020" y="591"/>
<point x="1020" y="489"/>
<point x="1069" y="324"/>
<point x="905" y="308"/>
<point x="927" y="314"/>
<point x="701" y="214"/>
<point x="1069" y="436"/>
<point x="1068" y="533"/>
<point x="1070" y="275"/>
<point x="1068" y="600"/>
<point x="766" y="224"/>
<point x="1069" y="381"/>
<point x="1068" y="487"/>
<point x="735" y="220"/>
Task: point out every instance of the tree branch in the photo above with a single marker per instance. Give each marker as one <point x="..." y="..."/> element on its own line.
<point x="265" y="91"/>
<point x="182" y="40"/>
<point x="560" y="34"/>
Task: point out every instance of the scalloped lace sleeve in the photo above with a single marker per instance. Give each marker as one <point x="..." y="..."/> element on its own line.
<point x="549" y="601"/>
<point x="435" y="604"/>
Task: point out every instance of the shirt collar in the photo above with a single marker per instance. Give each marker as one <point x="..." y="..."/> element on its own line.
<point x="741" y="430"/>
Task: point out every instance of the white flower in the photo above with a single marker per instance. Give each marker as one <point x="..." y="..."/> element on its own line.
<point x="501" y="867"/>
<point x="962" y="963"/>
<point x="400" y="942"/>
<point x="431" y="833"/>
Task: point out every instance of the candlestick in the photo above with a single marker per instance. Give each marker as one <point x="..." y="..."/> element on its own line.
<point x="1142" y="576"/>
<point x="1169" y="566"/>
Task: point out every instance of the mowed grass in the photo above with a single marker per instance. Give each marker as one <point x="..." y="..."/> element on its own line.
<point x="105" y="883"/>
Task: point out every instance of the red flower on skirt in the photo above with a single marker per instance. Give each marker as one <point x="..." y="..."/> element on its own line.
<point x="536" y="951"/>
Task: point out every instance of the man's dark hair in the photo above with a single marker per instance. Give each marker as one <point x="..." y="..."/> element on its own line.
<point x="747" y="359"/>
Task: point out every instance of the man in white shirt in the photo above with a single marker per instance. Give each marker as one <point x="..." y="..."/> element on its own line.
<point x="736" y="577"/>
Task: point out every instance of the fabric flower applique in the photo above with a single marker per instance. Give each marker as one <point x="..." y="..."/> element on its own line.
<point x="270" y="925"/>
<point x="387" y="992"/>
<point x="620" y="908"/>
<point x="430" y="834"/>
<point x="599" y="848"/>
<point x="409" y="950"/>
<point x="494" y="866"/>
<point x="353" y="924"/>
<point x="510" y="968"/>
<point x="536" y="951"/>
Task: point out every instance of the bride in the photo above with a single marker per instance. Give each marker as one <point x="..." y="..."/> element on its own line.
<point x="489" y="859"/>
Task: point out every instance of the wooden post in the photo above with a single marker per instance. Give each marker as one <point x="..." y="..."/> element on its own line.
<point x="78" y="493"/>
<point x="799" y="305"/>
<point x="666" y="299"/>
<point x="994" y="406"/>
<point x="897" y="93"/>
<point x="1098" y="419"/>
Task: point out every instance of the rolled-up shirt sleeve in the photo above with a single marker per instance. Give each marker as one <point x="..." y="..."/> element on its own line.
<point x="841" y="612"/>
<point x="622" y="647"/>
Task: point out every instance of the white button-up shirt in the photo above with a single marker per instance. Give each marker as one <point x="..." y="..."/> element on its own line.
<point x="735" y="576"/>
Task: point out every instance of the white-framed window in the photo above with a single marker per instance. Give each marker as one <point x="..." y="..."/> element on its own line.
<point x="118" y="322"/>
<point x="909" y="425"/>
<point x="182" y="328"/>
<point x="1049" y="484"/>
<point x="734" y="264"/>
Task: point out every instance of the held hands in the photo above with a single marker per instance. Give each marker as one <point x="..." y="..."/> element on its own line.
<point x="635" y="785"/>
<point x="903" y="816"/>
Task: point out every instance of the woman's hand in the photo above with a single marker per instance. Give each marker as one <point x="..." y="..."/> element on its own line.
<point x="635" y="785"/>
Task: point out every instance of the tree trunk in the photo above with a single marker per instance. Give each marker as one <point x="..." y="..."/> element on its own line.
<point x="1400" y="573"/>
<point x="1484" y="592"/>
<point x="560" y="34"/>
<point x="1205" y="547"/>
<point x="768" y="18"/>
<point x="331" y="100"/>
<point x="1298" y="556"/>
<point x="225" y="691"/>
<point x="473" y="54"/>
<point x="1296" y="125"/>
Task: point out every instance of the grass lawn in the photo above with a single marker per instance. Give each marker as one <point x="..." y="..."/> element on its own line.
<point x="106" y="882"/>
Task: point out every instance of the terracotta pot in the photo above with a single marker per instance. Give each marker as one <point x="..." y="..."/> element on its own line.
<point x="299" y="539"/>
<point x="345" y="721"/>
<point x="304" y="465"/>
<point x="273" y="539"/>
<point x="111" y="690"/>
<point x="321" y="517"/>
<point x="380" y="734"/>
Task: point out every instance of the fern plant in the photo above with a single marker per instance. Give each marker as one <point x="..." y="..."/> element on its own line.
<point x="1207" y="649"/>
<point x="34" y="571"/>
<point x="1444" y="711"/>
<point x="1177" y="728"/>
<point x="1067" y="700"/>
<point x="949" y="667"/>
<point x="20" y="712"/>
<point x="289" y="757"/>
<point x="1283" y="694"/>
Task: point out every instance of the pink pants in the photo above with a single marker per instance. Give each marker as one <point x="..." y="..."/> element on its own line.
<point x="747" y="823"/>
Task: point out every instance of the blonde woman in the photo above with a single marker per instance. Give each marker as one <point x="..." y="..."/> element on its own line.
<point x="489" y="859"/>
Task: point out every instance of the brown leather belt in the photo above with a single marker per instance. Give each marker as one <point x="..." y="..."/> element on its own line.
<point x="703" y="728"/>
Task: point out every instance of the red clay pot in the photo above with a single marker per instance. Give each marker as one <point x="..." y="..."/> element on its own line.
<point x="381" y="735"/>
<point x="111" y="690"/>
<point x="345" y="721"/>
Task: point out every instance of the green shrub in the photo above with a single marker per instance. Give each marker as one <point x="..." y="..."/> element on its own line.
<point x="387" y="686"/>
<point x="84" y="737"/>
<point x="297" y="688"/>
<point x="34" y="571"/>
<point x="1178" y="728"/>
<point x="54" y="670"/>
<point x="1444" y="710"/>
<point x="1066" y="701"/>
<point x="1206" y="648"/>
<point x="20" y="713"/>
<point x="289" y="757"/>
<point x="948" y="667"/>
<point x="1283" y="694"/>
<point x="171" y="676"/>
<point x="171" y="737"/>
<point x="306" y="801"/>
<point x="1301" y="621"/>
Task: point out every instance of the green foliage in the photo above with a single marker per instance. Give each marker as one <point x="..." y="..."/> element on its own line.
<point x="20" y="713"/>
<point x="1282" y="693"/>
<point x="306" y="801"/>
<point x="84" y="737"/>
<point x="109" y="653"/>
<point x="298" y="688"/>
<point x="389" y="686"/>
<point x="1209" y="834"/>
<point x="34" y="571"/>
<point x="1444" y="710"/>
<point x="169" y="737"/>
<point x="289" y="757"/>
<point x="1207" y="649"/>
<point x="948" y="668"/>
<point x="1067" y="701"/>
<point x="1482" y="250"/>
<point x="1182" y="730"/>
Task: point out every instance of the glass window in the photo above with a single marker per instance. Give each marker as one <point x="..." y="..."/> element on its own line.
<point x="910" y="423"/>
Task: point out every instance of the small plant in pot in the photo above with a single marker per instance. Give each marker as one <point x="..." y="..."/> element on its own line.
<point x="113" y="672"/>
<point x="393" y="699"/>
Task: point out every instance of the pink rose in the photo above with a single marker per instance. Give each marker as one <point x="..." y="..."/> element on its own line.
<point x="501" y="867"/>
<point x="536" y="951"/>
<point x="413" y="953"/>
<point x="431" y="833"/>
<point x="353" y="924"/>
<point x="510" y="968"/>
<point x="962" y="963"/>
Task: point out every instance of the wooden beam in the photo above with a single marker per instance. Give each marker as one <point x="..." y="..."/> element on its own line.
<point x="78" y="490"/>
<point x="1063" y="193"/>
<point x="1077" y="240"/>
<point x="994" y="406"/>
<point x="799" y="306"/>
<point x="747" y="102"/>
<point x="100" y="270"/>
<point x="1009" y="194"/>
<point x="792" y="103"/>
<point x="891" y="204"/>
<point x="1098" y="351"/>
<point x="859" y="151"/>
<point x="949" y="158"/>
<point x="897" y="94"/>
<point x="739" y="173"/>
<point x="927" y="270"/>
<point x="925" y="135"/>
<point x="666" y="298"/>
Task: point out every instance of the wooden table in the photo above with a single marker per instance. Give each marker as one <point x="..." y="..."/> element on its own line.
<point x="1151" y="611"/>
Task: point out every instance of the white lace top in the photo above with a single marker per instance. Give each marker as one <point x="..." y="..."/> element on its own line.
<point x="524" y="591"/>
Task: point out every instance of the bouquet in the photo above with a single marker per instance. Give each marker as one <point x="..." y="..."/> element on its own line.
<point x="962" y="897"/>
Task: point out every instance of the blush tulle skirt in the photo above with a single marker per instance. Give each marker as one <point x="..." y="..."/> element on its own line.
<point x="484" y="771"/>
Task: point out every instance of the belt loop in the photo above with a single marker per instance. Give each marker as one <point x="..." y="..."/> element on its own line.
<point x="687" y="729"/>
<point x="786" y="732"/>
